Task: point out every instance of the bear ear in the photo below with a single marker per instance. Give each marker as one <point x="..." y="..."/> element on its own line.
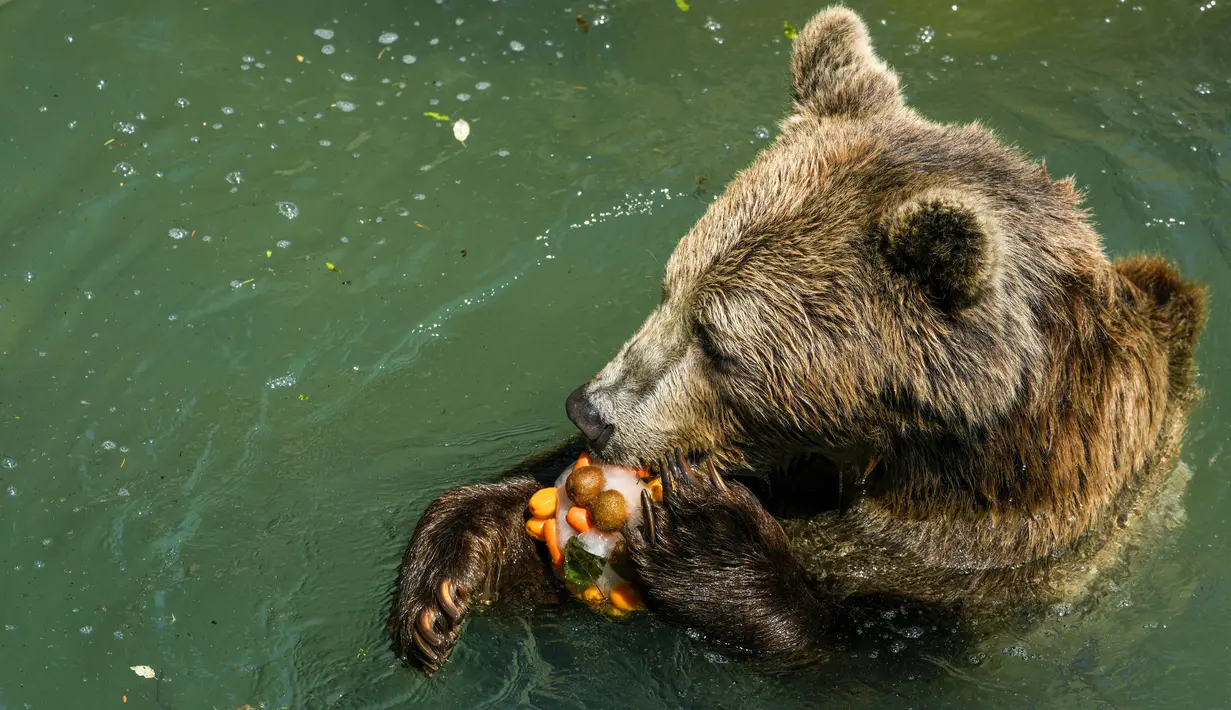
<point x="946" y="241"/>
<point x="835" y="71"/>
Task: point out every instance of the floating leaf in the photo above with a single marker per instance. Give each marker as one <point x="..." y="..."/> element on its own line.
<point x="461" y="130"/>
<point x="143" y="671"/>
<point x="681" y="4"/>
<point x="789" y="30"/>
<point x="437" y="116"/>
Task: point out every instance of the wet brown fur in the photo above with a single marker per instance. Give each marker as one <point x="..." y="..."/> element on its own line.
<point x="911" y="339"/>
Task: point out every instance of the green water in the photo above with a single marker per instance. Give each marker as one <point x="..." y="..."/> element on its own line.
<point x="213" y="448"/>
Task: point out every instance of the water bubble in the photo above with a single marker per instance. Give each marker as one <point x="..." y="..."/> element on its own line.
<point x="46" y="541"/>
<point x="600" y="19"/>
<point x="119" y="635"/>
<point x="123" y="493"/>
<point x="40" y="564"/>
<point x="344" y="240"/>
<point x="248" y="58"/>
<point x="913" y="632"/>
<point x="1017" y="651"/>
<point x="1204" y="88"/>
<point x="347" y="76"/>
<point x="463" y="97"/>
<point x="403" y="212"/>
<point x="926" y="34"/>
<point x="13" y="492"/>
<point x="125" y="127"/>
<point x="760" y="132"/>
<point x="503" y="153"/>
<point x="8" y="463"/>
<point x="177" y="233"/>
<point x="287" y="380"/>
<point x="516" y="46"/>
<point x="327" y="49"/>
<point x="325" y="142"/>
<point x="897" y="646"/>
<point x="181" y="102"/>
<point x="235" y="177"/>
<point x="236" y="283"/>
<point x="68" y="38"/>
<point x="288" y="210"/>
<point x="459" y="22"/>
<point x="173" y="317"/>
<point x="345" y="106"/>
<point x="283" y="243"/>
<point x="387" y="37"/>
<point x="434" y="41"/>
<point x="712" y="25"/>
<point x="86" y="630"/>
<point x="483" y="85"/>
<point x="323" y="33"/>
<point x="420" y="196"/>
<point x="217" y="126"/>
<point x="108" y="445"/>
<point x="102" y="84"/>
<point x="408" y="59"/>
<point x="124" y="170"/>
<point x="228" y="110"/>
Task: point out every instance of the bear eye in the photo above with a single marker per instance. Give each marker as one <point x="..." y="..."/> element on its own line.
<point x="705" y="341"/>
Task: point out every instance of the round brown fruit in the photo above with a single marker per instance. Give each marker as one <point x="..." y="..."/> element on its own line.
<point x="584" y="484"/>
<point x="610" y="511"/>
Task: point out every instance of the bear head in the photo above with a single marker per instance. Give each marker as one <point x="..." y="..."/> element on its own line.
<point x="871" y="276"/>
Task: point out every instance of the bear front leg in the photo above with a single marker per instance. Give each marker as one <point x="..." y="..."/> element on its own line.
<point x="468" y="547"/>
<point x="711" y="558"/>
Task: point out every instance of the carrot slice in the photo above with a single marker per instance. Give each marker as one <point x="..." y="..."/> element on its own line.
<point x="534" y="528"/>
<point x="543" y="503"/>
<point x="583" y="460"/>
<point x="592" y="594"/>
<point x="579" y="518"/>
<point x="553" y="542"/>
<point x="625" y="598"/>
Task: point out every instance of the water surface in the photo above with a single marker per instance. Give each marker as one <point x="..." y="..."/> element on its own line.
<point x="213" y="447"/>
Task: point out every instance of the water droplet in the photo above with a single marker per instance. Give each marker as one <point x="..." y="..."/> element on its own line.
<point x="325" y="34"/>
<point x="287" y="380"/>
<point x="288" y="210"/>
<point x="516" y="46"/>
<point x="177" y="233"/>
<point x="408" y="59"/>
<point x="387" y="37"/>
<point x="124" y="170"/>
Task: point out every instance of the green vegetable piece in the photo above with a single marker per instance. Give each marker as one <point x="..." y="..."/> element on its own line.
<point x="681" y="4"/>
<point x="580" y="566"/>
<point x="789" y="30"/>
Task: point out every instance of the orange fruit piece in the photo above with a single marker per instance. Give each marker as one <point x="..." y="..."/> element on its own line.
<point x="656" y="489"/>
<point x="543" y="502"/>
<point x="579" y="518"/>
<point x="552" y="538"/>
<point x="534" y="528"/>
<point x="583" y="460"/>
<point x="592" y="594"/>
<point x="625" y="598"/>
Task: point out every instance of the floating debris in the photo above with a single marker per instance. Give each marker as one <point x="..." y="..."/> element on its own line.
<point x="461" y="130"/>
<point x="143" y="671"/>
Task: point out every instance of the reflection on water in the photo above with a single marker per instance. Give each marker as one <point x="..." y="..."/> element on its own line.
<point x="258" y="305"/>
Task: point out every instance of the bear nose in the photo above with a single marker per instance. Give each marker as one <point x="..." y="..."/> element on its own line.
<point x="587" y="419"/>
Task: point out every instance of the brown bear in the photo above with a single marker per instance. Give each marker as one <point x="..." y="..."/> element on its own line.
<point x="908" y="343"/>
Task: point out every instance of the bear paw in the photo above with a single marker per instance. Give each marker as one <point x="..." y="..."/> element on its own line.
<point x="711" y="558"/>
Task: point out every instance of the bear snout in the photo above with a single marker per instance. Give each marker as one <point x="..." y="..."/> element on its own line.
<point x="583" y="414"/>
